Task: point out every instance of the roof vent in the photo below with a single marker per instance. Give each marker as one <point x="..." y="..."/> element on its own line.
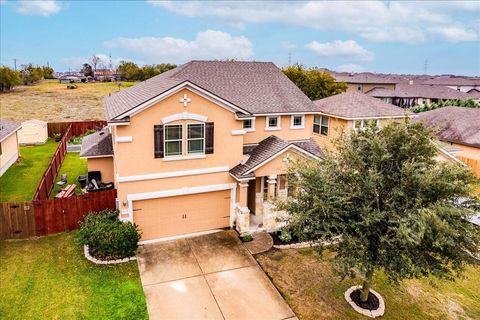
<point x="101" y="133"/>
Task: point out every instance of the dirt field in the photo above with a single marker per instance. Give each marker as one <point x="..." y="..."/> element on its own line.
<point x="52" y="101"/>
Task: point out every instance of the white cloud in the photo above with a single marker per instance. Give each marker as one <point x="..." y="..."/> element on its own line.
<point x="403" y="21"/>
<point x="38" y="8"/>
<point x="209" y="44"/>
<point x="348" y="49"/>
<point x="350" y="67"/>
<point x="456" y="34"/>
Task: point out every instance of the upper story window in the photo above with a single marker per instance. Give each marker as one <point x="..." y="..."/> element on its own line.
<point x="249" y="124"/>
<point x="361" y="124"/>
<point x="273" y="123"/>
<point x="196" y="138"/>
<point x="320" y="125"/>
<point x="297" y="122"/>
<point x="173" y="140"/>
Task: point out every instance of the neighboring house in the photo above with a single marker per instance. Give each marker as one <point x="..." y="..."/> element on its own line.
<point x="33" y="132"/>
<point x="366" y="81"/>
<point x="71" y="78"/>
<point x="409" y="95"/>
<point x="9" y="151"/>
<point x="474" y="93"/>
<point x="463" y="84"/>
<point x="106" y="75"/>
<point x="459" y="130"/>
<point x="352" y="111"/>
<point x="207" y="145"/>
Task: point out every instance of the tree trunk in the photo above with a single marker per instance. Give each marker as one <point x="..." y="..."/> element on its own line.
<point x="366" y="286"/>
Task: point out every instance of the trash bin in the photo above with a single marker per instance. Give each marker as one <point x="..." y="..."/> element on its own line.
<point x="82" y="180"/>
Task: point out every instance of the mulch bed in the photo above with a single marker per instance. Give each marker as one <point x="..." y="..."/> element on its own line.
<point x="278" y="242"/>
<point x="372" y="302"/>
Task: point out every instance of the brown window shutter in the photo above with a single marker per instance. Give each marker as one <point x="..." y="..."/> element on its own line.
<point x="209" y="137"/>
<point x="158" y="140"/>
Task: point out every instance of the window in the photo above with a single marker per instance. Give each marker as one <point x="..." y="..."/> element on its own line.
<point x="247" y="124"/>
<point x="361" y="124"/>
<point x="196" y="138"/>
<point x="173" y="140"/>
<point x="297" y="122"/>
<point x="320" y="125"/>
<point x="273" y="123"/>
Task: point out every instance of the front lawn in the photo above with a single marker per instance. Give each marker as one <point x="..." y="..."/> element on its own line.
<point x="314" y="292"/>
<point x="49" y="278"/>
<point x="21" y="179"/>
<point x="73" y="166"/>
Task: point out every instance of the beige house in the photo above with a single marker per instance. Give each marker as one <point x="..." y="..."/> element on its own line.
<point x="33" y="132"/>
<point x="458" y="131"/>
<point x="9" y="151"/>
<point x="207" y="145"/>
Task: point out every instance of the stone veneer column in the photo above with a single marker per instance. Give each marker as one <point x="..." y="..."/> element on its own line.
<point x="272" y="184"/>
<point x="242" y="211"/>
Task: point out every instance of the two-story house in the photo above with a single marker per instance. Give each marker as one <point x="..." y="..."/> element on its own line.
<point x="206" y="146"/>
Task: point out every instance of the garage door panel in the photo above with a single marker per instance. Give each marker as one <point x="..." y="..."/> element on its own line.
<point x="164" y="217"/>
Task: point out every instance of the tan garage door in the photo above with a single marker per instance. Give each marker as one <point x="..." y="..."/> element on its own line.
<point x="171" y="216"/>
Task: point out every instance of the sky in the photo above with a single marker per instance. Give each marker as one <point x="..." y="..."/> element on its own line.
<point x="440" y="37"/>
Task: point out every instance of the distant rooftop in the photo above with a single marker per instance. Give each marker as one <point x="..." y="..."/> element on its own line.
<point x="7" y="127"/>
<point x="418" y="91"/>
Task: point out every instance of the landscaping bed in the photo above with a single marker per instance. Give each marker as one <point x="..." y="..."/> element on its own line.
<point x="310" y="287"/>
<point x="20" y="181"/>
<point x="49" y="278"/>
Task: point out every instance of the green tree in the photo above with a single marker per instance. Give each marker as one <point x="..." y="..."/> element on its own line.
<point x="9" y="78"/>
<point x="87" y="70"/>
<point x="128" y="70"/>
<point x="31" y="74"/>
<point x="131" y="71"/>
<point x="314" y="83"/>
<point x="47" y="72"/>
<point x="389" y="203"/>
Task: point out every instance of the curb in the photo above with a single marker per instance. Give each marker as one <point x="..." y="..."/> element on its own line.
<point x="98" y="261"/>
<point x="369" y="313"/>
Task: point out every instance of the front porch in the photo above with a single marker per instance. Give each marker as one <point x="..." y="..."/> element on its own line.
<point x="255" y="211"/>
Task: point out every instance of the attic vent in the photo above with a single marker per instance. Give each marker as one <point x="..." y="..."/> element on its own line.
<point x="101" y="133"/>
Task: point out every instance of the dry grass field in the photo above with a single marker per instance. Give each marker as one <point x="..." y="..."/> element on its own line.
<point x="52" y="101"/>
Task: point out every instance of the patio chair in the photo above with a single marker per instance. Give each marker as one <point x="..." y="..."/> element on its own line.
<point x="63" y="181"/>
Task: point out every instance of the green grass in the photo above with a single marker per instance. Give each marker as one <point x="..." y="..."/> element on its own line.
<point x="21" y="179"/>
<point x="310" y="287"/>
<point x="73" y="166"/>
<point x="49" y="278"/>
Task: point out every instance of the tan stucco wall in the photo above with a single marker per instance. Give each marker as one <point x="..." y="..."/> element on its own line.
<point x="335" y="128"/>
<point x="10" y="152"/>
<point x="104" y="165"/>
<point x="278" y="165"/>
<point x="32" y="134"/>
<point x="284" y="133"/>
<point x="468" y="151"/>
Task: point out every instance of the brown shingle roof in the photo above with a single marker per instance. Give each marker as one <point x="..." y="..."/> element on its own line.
<point x="98" y="144"/>
<point x="368" y="77"/>
<point x="454" y="124"/>
<point x="256" y="87"/>
<point x="268" y="148"/>
<point x="353" y="105"/>
<point x="453" y="81"/>
<point x="418" y="91"/>
<point x="7" y="127"/>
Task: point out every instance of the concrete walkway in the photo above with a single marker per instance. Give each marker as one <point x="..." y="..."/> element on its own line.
<point x="208" y="277"/>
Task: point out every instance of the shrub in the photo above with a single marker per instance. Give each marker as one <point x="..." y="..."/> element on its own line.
<point x="107" y="237"/>
<point x="285" y="235"/>
<point x="246" y="237"/>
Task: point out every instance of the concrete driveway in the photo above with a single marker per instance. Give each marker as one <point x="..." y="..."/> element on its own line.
<point x="207" y="277"/>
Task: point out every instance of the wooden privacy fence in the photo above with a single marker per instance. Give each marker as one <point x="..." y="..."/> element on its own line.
<point x="78" y="127"/>
<point x="474" y="164"/>
<point x="68" y="130"/>
<point x="20" y="220"/>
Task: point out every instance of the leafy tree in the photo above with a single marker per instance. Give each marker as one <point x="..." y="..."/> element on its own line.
<point x="9" y="78"/>
<point x="128" y="70"/>
<point x="131" y="71"/>
<point x="314" y="83"/>
<point x="87" y="70"/>
<point x="47" y="72"/>
<point x="389" y="203"/>
<point x="31" y="74"/>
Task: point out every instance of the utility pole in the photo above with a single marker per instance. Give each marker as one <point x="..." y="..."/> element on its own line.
<point x="425" y="66"/>
<point x="15" y="63"/>
<point x="290" y="58"/>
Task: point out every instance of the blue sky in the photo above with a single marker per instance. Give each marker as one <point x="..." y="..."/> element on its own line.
<point x="396" y="37"/>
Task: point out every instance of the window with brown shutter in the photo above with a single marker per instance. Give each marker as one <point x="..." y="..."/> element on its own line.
<point x="158" y="140"/>
<point x="209" y="138"/>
